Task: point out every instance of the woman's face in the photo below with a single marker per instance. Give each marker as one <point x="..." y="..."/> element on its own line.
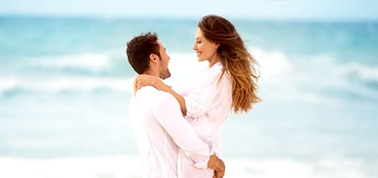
<point x="205" y="49"/>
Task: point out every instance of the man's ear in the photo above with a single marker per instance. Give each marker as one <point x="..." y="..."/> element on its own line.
<point x="153" y="58"/>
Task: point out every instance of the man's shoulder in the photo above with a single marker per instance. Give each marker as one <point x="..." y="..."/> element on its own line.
<point x="147" y="90"/>
<point x="153" y="95"/>
<point x="151" y="98"/>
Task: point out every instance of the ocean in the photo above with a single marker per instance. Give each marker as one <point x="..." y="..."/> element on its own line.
<point x="65" y="85"/>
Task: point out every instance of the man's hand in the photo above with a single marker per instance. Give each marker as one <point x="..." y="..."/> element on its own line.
<point x="218" y="166"/>
<point x="218" y="174"/>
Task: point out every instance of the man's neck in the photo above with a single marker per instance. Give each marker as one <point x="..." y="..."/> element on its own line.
<point x="151" y="73"/>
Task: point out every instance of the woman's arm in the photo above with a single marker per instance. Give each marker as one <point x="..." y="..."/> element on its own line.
<point x="149" y="80"/>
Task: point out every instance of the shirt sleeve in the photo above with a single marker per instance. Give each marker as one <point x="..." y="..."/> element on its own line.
<point x="199" y="102"/>
<point x="168" y="114"/>
<point x="209" y="94"/>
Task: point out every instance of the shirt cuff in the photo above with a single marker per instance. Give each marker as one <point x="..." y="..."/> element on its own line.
<point x="202" y="165"/>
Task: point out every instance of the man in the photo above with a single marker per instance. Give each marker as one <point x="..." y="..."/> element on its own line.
<point x="159" y="125"/>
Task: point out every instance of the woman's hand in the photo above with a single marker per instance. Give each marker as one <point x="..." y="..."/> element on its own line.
<point x="148" y="80"/>
<point x="143" y="80"/>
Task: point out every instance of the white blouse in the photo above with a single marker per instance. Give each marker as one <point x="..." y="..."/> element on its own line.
<point x="208" y="102"/>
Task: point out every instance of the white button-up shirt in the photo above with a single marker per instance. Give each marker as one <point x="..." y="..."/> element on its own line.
<point x="161" y="130"/>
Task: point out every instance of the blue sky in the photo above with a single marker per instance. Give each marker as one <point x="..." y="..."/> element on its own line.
<point x="252" y="9"/>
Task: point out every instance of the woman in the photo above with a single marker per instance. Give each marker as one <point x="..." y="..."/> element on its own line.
<point x="229" y="84"/>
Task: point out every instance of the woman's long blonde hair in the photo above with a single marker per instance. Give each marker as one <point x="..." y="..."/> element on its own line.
<point x="236" y="60"/>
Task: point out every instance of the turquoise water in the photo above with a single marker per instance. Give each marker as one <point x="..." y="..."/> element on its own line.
<point x="65" y="85"/>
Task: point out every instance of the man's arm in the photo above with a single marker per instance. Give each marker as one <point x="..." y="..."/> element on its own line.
<point x="167" y="112"/>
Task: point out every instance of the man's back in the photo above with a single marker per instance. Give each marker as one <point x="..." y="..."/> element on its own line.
<point x="160" y="130"/>
<point x="157" y="149"/>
